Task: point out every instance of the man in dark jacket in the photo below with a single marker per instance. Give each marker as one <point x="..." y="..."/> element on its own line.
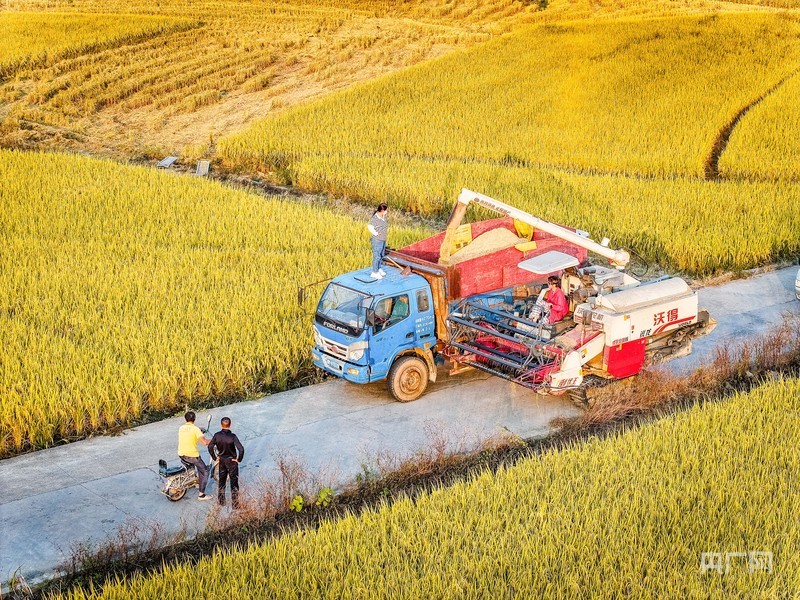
<point x="230" y="451"/>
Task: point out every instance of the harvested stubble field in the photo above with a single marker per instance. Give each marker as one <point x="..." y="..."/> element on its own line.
<point x="125" y="291"/>
<point x="174" y="91"/>
<point x="628" y="516"/>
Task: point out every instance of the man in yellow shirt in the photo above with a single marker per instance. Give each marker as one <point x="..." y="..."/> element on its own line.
<point x="188" y="436"/>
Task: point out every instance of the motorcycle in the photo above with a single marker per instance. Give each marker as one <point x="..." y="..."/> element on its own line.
<point x="179" y="479"/>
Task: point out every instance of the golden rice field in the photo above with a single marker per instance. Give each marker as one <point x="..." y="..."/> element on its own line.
<point x="629" y="516"/>
<point x="764" y="144"/>
<point x="639" y="97"/>
<point x="787" y="4"/>
<point x="602" y="124"/>
<point x="612" y="129"/>
<point x="37" y="39"/>
<point x="560" y="10"/>
<point x="695" y="226"/>
<point x="176" y="91"/>
<point x="124" y="291"/>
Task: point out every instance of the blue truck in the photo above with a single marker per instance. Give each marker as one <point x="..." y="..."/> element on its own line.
<point x="453" y="298"/>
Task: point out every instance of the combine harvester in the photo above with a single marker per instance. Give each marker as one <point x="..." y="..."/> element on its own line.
<point x="470" y="296"/>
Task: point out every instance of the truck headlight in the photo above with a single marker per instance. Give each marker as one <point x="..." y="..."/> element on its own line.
<point x="317" y="338"/>
<point x="355" y="351"/>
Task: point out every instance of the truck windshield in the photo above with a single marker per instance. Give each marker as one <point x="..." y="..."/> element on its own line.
<point x="344" y="307"/>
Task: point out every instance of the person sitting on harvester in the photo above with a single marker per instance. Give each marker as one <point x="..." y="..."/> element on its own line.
<point x="551" y="305"/>
<point x="556" y="299"/>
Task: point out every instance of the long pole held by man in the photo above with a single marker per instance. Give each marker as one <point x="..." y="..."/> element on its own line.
<point x="230" y="451"/>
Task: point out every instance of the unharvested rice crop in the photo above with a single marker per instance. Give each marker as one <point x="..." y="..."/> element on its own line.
<point x="790" y="4"/>
<point x="608" y="126"/>
<point x="765" y="144"/>
<point x="560" y="10"/>
<point x="125" y="291"/>
<point x="695" y="226"/>
<point x="644" y="97"/>
<point x="39" y="39"/>
<point x="630" y="516"/>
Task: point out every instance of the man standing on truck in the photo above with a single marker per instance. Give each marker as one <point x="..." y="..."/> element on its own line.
<point x="188" y="436"/>
<point x="227" y="446"/>
<point x="378" y="228"/>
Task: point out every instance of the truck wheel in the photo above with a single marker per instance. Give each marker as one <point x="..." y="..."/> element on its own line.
<point x="408" y="378"/>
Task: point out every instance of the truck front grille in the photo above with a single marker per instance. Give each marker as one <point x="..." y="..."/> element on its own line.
<point x="335" y="349"/>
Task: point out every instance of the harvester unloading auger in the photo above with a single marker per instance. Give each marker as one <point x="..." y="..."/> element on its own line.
<point x="470" y="295"/>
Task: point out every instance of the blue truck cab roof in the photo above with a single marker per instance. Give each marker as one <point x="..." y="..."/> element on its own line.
<point x="392" y="283"/>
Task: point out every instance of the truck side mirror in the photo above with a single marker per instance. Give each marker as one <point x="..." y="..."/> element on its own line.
<point x="370" y="317"/>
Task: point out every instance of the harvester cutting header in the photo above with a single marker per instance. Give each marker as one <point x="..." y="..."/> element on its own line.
<point x="471" y="296"/>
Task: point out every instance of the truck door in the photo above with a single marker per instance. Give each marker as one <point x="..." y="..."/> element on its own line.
<point x="424" y="320"/>
<point x="394" y="330"/>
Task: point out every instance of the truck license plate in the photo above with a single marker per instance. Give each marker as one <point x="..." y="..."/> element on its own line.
<point x="333" y="364"/>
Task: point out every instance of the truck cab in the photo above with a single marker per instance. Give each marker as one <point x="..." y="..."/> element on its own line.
<point x="368" y="330"/>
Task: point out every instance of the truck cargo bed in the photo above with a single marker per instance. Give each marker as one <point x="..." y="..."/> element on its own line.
<point x="491" y="271"/>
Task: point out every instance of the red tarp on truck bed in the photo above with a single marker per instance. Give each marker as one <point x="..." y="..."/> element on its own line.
<point x="492" y="271"/>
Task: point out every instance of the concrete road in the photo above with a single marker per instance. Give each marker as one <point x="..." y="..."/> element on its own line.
<point x="85" y="491"/>
<point x="59" y="497"/>
<point x="743" y="309"/>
